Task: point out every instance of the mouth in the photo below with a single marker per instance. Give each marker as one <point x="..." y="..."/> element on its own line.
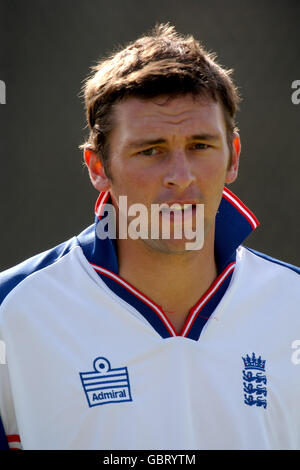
<point x="179" y="207"/>
<point x="179" y="213"/>
<point x="178" y="221"/>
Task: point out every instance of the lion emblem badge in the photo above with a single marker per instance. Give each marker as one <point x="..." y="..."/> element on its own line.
<point x="254" y="381"/>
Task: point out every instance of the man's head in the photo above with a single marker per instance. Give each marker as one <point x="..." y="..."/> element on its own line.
<point x="161" y="116"/>
<point x="163" y="63"/>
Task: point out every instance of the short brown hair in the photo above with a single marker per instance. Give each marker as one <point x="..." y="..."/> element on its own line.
<point x="161" y="63"/>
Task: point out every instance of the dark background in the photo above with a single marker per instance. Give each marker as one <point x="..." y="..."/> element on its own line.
<point x="46" y="50"/>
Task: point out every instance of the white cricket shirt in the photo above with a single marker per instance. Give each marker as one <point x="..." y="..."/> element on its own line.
<point x="92" y="363"/>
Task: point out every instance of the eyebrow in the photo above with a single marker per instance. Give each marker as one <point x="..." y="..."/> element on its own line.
<point x="149" y="142"/>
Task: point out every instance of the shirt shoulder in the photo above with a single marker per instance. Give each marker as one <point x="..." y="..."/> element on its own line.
<point x="275" y="262"/>
<point x="12" y="277"/>
<point x="270" y="277"/>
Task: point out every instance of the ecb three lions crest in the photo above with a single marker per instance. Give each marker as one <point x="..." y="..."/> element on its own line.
<point x="254" y="381"/>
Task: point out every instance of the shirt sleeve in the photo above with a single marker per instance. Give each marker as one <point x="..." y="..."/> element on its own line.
<point x="8" y="423"/>
<point x="3" y="440"/>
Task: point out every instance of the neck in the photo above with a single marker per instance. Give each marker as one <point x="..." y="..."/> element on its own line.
<point x="175" y="282"/>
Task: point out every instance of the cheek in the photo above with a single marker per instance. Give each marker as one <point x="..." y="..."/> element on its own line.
<point x="212" y="175"/>
<point x="211" y="181"/>
<point x="138" y="186"/>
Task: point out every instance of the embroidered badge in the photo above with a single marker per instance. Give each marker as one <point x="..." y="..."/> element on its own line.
<point x="104" y="384"/>
<point x="254" y="377"/>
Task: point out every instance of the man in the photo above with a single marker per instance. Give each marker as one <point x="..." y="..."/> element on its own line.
<point x="144" y="342"/>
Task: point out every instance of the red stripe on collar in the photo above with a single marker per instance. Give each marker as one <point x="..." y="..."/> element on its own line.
<point x="100" y="203"/>
<point x="158" y="310"/>
<point x="194" y="313"/>
<point x="227" y="194"/>
<point x="240" y="206"/>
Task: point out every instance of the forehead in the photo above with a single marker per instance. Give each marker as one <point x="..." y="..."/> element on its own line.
<point x="180" y="114"/>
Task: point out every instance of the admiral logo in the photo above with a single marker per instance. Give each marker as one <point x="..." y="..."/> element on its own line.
<point x="105" y="385"/>
<point x="254" y="381"/>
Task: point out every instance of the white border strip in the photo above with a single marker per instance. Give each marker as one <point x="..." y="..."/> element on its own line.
<point x="103" y="201"/>
<point x="227" y="271"/>
<point x="137" y="294"/>
<point x="242" y="209"/>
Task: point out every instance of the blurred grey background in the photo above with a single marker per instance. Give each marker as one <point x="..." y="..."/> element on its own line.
<point x="47" y="48"/>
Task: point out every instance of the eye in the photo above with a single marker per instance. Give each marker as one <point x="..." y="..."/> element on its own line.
<point x="200" y="146"/>
<point x="150" y="152"/>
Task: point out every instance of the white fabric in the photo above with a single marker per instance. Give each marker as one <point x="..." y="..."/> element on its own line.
<point x="185" y="394"/>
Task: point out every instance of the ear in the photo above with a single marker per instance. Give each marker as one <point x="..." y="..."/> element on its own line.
<point x="96" y="171"/>
<point x="232" y="171"/>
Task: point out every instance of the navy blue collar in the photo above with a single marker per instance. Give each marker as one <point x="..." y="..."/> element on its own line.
<point x="234" y="222"/>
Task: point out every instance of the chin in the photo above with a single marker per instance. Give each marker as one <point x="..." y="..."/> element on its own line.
<point x="169" y="247"/>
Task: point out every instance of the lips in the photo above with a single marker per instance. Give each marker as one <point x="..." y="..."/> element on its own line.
<point x="179" y="207"/>
<point x="179" y="213"/>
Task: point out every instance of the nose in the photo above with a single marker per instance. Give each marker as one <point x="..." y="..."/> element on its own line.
<point x="179" y="173"/>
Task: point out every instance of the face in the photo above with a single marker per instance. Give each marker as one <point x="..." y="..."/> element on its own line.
<point x="168" y="150"/>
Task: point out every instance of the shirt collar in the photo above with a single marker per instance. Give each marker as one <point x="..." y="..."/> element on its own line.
<point x="234" y="223"/>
